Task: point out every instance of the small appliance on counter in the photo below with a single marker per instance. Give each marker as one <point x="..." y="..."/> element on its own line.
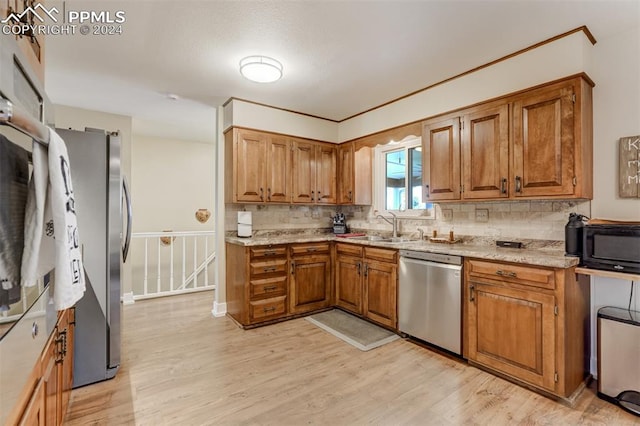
<point x="618" y="357"/>
<point x="339" y="224"/>
<point x="573" y="231"/>
<point x="611" y="245"/>
<point x="244" y="224"/>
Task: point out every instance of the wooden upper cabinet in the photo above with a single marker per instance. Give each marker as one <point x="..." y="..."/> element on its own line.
<point x="441" y="159"/>
<point x="355" y="174"/>
<point x="314" y="173"/>
<point x="304" y="176"/>
<point x="251" y="166"/>
<point x="485" y="153"/>
<point x="345" y="173"/>
<point x="31" y="47"/>
<point x="544" y="143"/>
<point x="278" y="169"/>
<point x="326" y="170"/>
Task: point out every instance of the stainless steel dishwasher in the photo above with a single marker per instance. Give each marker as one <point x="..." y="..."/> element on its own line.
<point x="430" y="298"/>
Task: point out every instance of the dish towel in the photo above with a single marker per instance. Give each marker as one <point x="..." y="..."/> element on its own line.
<point x="14" y="178"/>
<point x="51" y="227"/>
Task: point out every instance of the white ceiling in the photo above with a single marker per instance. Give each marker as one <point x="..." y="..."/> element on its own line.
<point x="340" y="57"/>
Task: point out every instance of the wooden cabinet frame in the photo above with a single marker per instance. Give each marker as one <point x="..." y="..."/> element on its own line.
<point x="541" y="316"/>
<point x="535" y="144"/>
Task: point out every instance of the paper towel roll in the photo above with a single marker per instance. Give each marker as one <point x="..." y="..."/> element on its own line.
<point x="244" y="224"/>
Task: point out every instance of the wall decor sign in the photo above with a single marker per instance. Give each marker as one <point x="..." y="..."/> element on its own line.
<point x="629" y="178"/>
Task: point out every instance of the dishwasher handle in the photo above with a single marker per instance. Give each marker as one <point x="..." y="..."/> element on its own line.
<point x="429" y="263"/>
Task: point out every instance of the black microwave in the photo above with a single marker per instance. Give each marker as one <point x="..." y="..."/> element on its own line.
<point x="612" y="247"/>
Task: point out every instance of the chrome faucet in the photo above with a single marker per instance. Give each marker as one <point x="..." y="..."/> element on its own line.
<point x="393" y="222"/>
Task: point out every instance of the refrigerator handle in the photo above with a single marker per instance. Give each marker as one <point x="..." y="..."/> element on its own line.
<point x="127" y="198"/>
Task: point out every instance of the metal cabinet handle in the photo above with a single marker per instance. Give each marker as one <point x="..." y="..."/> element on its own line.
<point x="472" y="295"/>
<point x="312" y="249"/>
<point x="269" y="194"/>
<point x="518" y="184"/>
<point x="312" y="195"/>
<point x="350" y="196"/>
<point x="270" y="253"/>
<point x="506" y="273"/>
<point x="366" y="269"/>
<point x="269" y="309"/>
<point x="358" y="266"/>
<point x="261" y="194"/>
<point x="427" y="190"/>
<point x="270" y="269"/>
<point x="269" y="287"/>
<point x="293" y="268"/>
<point x="503" y="185"/>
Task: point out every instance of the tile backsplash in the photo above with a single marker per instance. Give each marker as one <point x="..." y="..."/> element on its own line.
<point x="542" y="220"/>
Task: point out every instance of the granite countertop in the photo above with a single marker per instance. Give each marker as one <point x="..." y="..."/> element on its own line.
<point x="542" y="256"/>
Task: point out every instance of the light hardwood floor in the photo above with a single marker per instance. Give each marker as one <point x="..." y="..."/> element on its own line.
<point x="181" y="366"/>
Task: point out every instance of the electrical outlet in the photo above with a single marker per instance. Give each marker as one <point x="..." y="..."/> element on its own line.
<point x="482" y="215"/>
<point x="447" y="214"/>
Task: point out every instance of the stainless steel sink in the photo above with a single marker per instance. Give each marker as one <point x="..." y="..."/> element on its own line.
<point x="379" y="239"/>
<point x="371" y="238"/>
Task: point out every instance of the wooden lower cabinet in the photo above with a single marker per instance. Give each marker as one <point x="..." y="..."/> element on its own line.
<point x="52" y="377"/>
<point x="310" y="287"/>
<point x="528" y="323"/>
<point x="257" y="283"/>
<point x="269" y="283"/>
<point x="367" y="284"/>
<point x="380" y="292"/>
<point x="349" y="283"/>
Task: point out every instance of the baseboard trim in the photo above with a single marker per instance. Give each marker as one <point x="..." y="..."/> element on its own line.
<point x="219" y="309"/>
<point x="127" y="299"/>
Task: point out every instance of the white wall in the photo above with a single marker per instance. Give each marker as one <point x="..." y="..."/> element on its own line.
<point x="245" y="114"/>
<point x="172" y="179"/>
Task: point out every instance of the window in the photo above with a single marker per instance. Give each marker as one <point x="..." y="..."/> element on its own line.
<point x="398" y="179"/>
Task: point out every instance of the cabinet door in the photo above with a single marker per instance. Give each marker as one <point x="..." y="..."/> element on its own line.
<point x="513" y="331"/>
<point x="543" y="145"/>
<point x="349" y="283"/>
<point x="50" y="380"/>
<point x="441" y="160"/>
<point x="34" y="414"/>
<point x="304" y="172"/>
<point x="66" y="368"/>
<point x="345" y="173"/>
<point x="485" y="153"/>
<point x="310" y="283"/>
<point x="251" y="166"/>
<point x="380" y="292"/>
<point x="278" y="170"/>
<point x="326" y="169"/>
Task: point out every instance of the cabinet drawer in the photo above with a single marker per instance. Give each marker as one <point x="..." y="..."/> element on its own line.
<point x="385" y="255"/>
<point x="349" y="249"/>
<point x="309" y="248"/>
<point x="267" y="308"/>
<point x="274" y="266"/>
<point x="267" y="251"/>
<point x="520" y="274"/>
<point x="268" y="287"/>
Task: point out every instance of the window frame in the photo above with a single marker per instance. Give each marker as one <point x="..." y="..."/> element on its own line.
<point x="379" y="180"/>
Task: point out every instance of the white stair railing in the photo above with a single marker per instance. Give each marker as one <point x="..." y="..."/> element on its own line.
<point x="155" y="263"/>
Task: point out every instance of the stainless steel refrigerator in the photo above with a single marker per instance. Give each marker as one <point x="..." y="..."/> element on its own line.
<point x="101" y="198"/>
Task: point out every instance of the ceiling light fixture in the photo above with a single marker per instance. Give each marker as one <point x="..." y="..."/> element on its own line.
<point x="261" y="69"/>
